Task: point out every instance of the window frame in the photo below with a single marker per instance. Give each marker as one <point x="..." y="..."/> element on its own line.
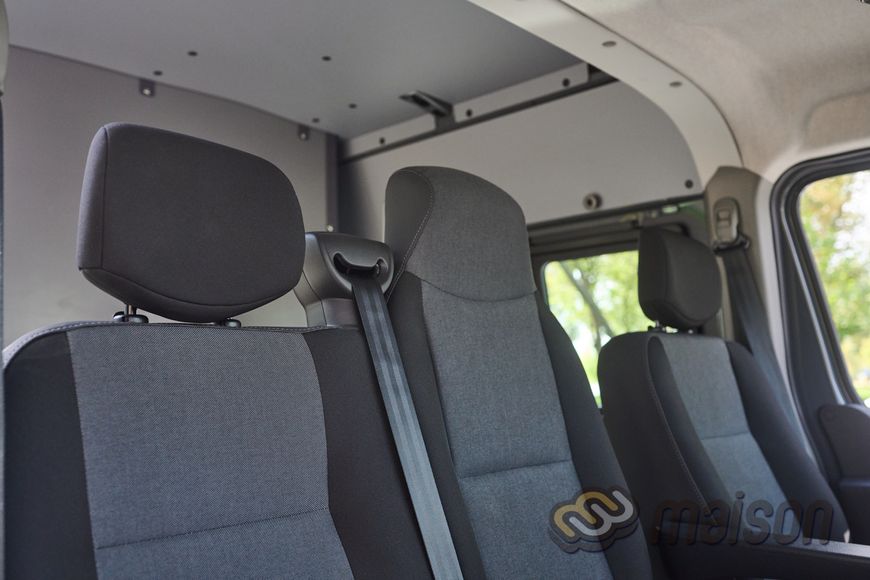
<point x="795" y="259"/>
<point x="606" y="232"/>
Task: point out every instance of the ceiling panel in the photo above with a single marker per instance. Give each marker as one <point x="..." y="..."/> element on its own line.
<point x="270" y="53"/>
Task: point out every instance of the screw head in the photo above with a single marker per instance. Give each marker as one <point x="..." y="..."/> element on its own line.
<point x="592" y="201"/>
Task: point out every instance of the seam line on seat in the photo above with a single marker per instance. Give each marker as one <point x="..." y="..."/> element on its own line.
<point x="726" y="435"/>
<point x="417" y="234"/>
<point x="216" y="528"/>
<point x="675" y="447"/>
<point x="484" y="300"/>
<point x="495" y="471"/>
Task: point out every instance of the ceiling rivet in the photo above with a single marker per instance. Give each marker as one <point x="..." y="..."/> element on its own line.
<point x="608" y="43"/>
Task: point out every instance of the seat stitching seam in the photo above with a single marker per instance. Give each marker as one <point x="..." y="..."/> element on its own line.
<point x="496" y="471"/>
<point x="216" y="528"/>
<point x="484" y="300"/>
<point x="726" y="435"/>
<point x="418" y="233"/>
<point x="671" y="439"/>
<point x="11" y="351"/>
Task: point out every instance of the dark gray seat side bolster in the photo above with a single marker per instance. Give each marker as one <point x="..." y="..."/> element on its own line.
<point x="659" y="449"/>
<point x="406" y="310"/>
<point x="796" y="473"/>
<point x="46" y="498"/>
<point x="369" y="502"/>
<point x="591" y="449"/>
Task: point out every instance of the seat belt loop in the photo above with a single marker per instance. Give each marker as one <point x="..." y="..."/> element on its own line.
<point x="383" y="348"/>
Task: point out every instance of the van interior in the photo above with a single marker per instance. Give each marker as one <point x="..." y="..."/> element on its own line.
<point x="457" y="289"/>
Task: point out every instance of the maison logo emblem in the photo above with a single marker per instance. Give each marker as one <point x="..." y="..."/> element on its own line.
<point x="593" y="520"/>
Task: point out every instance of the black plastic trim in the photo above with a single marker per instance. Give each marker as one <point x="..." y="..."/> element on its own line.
<point x="597" y="79"/>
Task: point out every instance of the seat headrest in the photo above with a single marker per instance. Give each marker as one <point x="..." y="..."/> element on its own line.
<point x="459" y="233"/>
<point x="678" y="279"/>
<point x="185" y="228"/>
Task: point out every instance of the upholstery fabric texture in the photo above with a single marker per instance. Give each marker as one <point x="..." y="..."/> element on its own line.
<point x="187" y="435"/>
<point x="706" y="382"/>
<point x="458" y="232"/>
<point x="482" y="365"/>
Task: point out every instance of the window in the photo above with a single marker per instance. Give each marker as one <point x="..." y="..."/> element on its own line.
<point x="595" y="299"/>
<point x="835" y="214"/>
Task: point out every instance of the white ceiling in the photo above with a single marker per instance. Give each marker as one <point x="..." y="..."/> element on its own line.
<point x="268" y="53"/>
<point x="791" y="78"/>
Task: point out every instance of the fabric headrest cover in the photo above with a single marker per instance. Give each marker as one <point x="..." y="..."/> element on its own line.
<point x="678" y="280"/>
<point x="184" y="228"/>
<point x="459" y="233"/>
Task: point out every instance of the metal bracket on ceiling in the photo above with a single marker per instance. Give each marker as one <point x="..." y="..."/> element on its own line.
<point x="438" y="108"/>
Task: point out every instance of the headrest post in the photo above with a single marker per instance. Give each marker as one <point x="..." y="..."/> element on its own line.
<point x="129" y="315"/>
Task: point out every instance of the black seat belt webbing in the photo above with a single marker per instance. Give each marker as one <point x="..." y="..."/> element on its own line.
<point x="405" y="426"/>
<point x="750" y="319"/>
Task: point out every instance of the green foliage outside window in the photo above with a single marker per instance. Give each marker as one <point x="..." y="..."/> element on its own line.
<point x="835" y="213"/>
<point x="595" y="299"/>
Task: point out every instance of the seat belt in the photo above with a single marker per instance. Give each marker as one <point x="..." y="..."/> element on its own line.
<point x="405" y="426"/>
<point x="751" y="325"/>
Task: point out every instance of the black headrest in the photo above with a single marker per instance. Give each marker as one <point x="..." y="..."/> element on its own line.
<point x="185" y="228"/>
<point x="459" y="233"/>
<point x="678" y="279"/>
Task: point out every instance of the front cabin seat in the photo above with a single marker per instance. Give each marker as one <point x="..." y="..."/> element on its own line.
<point x="692" y="417"/>
<point x="201" y="449"/>
<point x="510" y="424"/>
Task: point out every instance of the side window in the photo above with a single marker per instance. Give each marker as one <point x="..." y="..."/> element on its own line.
<point x="835" y="214"/>
<point x="595" y="298"/>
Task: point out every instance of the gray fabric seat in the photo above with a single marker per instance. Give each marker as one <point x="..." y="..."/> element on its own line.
<point x="197" y="450"/>
<point x="691" y="416"/>
<point x="510" y="424"/>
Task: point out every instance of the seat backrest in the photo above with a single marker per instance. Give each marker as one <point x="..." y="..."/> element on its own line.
<point x="692" y="416"/>
<point x="510" y="424"/>
<point x="197" y="450"/>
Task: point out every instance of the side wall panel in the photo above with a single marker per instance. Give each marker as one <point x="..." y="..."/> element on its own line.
<point x="610" y="140"/>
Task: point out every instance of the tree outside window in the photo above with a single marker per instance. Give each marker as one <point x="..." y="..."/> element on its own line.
<point x="835" y="213"/>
